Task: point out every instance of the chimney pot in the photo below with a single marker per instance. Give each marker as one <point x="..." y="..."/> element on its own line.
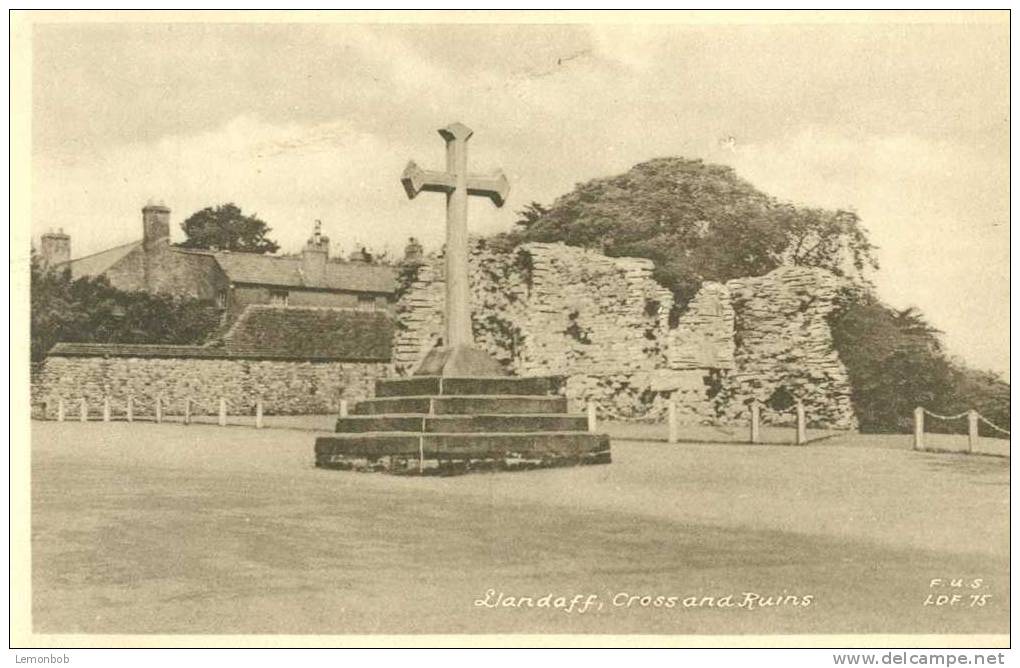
<point x="414" y="252"/>
<point x="314" y="257"/>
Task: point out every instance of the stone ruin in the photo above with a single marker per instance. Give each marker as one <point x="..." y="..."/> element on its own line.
<point x="612" y="331"/>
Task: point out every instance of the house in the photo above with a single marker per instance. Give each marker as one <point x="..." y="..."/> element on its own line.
<point x="234" y="281"/>
<point x="299" y="333"/>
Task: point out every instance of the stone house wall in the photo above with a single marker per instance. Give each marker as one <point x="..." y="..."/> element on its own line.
<point x="164" y="269"/>
<point x="174" y="272"/>
<point x="244" y="295"/>
<point x="128" y="273"/>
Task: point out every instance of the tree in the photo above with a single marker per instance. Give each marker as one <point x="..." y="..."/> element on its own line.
<point x="983" y="391"/>
<point x="895" y="361"/>
<point x="89" y="309"/>
<point x="225" y="227"/>
<point x="530" y="214"/>
<point x="697" y="222"/>
<point x="834" y="240"/>
<point x="49" y="306"/>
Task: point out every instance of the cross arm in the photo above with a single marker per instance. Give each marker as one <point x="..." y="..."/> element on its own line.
<point x="415" y="179"/>
<point x="494" y="186"/>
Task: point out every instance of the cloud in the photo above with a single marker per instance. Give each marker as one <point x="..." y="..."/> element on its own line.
<point x="937" y="210"/>
<point x="289" y="174"/>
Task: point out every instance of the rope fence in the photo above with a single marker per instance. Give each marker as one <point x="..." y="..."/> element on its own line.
<point x="158" y="409"/>
<point x="945" y="417"/>
<point x="992" y="425"/>
<point x="151" y="409"/>
<point x="596" y="412"/>
<point x="973" y="421"/>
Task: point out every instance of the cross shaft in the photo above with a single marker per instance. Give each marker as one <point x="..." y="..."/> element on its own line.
<point x="458" y="185"/>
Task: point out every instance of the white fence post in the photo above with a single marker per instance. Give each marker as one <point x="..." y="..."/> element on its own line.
<point x="60" y="409"/>
<point x="593" y="417"/>
<point x="223" y="411"/>
<point x="187" y="410"/>
<point x="130" y="408"/>
<point x="83" y="409"/>
<point x="755" y="422"/>
<point x="918" y="428"/>
<point x="258" y="413"/>
<point x="343" y="408"/>
<point x="674" y="427"/>
<point x="159" y="409"/>
<point x="801" y="424"/>
<point x="106" y="408"/>
<point x="972" y="430"/>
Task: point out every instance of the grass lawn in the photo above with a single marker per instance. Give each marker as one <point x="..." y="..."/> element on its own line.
<point x="145" y="528"/>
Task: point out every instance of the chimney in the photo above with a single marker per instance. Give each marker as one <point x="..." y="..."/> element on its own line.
<point x="155" y="224"/>
<point x="414" y="253"/>
<point x="314" y="257"/>
<point x="55" y="248"/>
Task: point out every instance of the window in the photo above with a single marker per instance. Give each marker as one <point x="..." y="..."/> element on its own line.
<point x="221" y="299"/>
<point x="278" y="297"/>
<point x="366" y="302"/>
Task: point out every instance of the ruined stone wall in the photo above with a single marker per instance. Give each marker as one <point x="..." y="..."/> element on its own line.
<point x="419" y="314"/>
<point x="703" y="335"/>
<point x="592" y="314"/>
<point x="784" y="346"/>
<point x="287" y="387"/>
<point x="553" y="309"/>
<point x="605" y="324"/>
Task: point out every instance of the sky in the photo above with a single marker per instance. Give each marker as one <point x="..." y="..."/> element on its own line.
<point x="907" y="124"/>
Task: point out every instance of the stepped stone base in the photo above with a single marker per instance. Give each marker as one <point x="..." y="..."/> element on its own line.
<point x="459" y="361"/>
<point x="437" y="425"/>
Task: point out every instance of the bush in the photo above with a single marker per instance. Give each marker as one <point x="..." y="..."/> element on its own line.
<point x="89" y="309"/>
<point x="896" y="363"/>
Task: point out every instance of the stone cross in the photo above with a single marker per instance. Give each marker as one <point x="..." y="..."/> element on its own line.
<point x="458" y="184"/>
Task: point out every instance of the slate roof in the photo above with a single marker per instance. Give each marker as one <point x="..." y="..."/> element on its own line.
<point x="262" y="270"/>
<point x="286" y="272"/>
<point x="312" y="333"/>
<point x="97" y="263"/>
<point x="264" y="332"/>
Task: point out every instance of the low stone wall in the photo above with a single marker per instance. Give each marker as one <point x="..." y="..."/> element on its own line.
<point x="286" y="387"/>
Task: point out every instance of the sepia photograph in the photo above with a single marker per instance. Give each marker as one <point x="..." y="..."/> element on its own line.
<point x="511" y="328"/>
